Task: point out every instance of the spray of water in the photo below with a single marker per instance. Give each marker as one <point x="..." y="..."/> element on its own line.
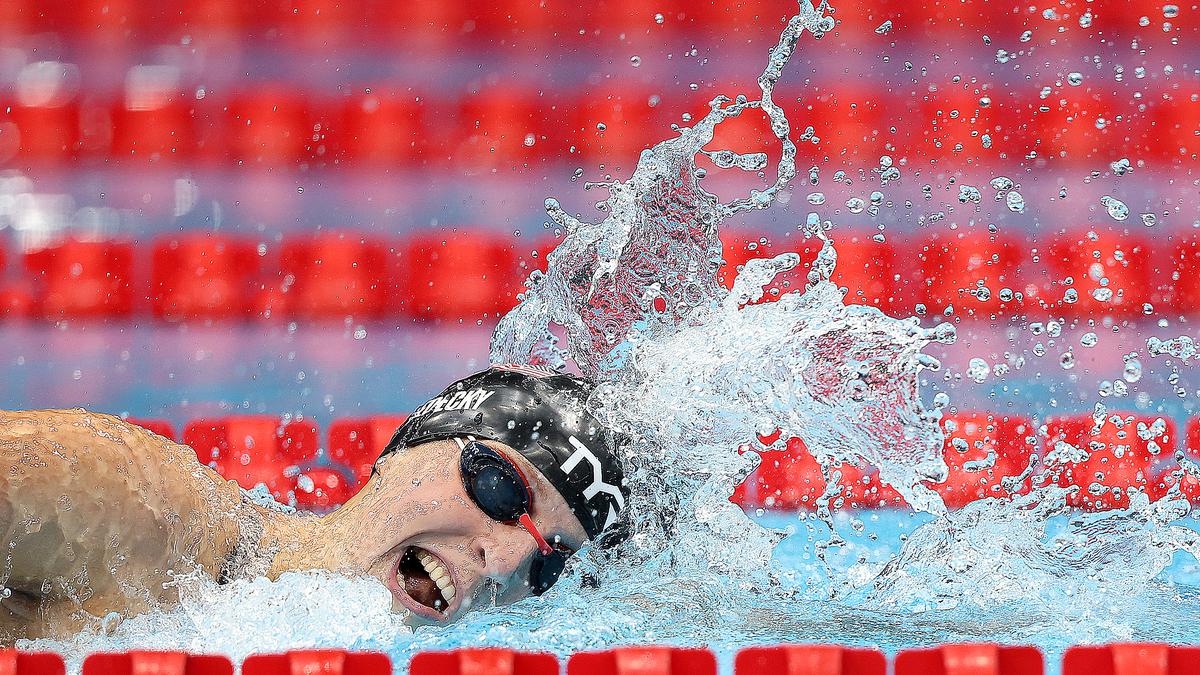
<point x="690" y="371"/>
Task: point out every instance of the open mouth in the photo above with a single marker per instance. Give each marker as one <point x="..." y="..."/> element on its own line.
<point x="425" y="578"/>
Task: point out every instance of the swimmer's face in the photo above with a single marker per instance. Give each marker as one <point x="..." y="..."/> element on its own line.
<point x="435" y="550"/>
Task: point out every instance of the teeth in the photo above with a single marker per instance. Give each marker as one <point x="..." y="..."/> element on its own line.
<point x="439" y="574"/>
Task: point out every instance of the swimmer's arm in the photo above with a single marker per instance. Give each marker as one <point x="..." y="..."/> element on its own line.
<point x="100" y="512"/>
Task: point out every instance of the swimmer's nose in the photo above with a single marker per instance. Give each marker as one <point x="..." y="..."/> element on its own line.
<point x="503" y="556"/>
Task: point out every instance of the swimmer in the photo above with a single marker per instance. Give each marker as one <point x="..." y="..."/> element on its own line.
<point x="481" y="497"/>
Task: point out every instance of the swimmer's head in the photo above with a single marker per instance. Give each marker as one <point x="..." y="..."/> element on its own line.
<point x="492" y="485"/>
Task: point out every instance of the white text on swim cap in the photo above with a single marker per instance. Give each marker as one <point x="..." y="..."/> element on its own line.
<point x="459" y="400"/>
<point x="598" y="485"/>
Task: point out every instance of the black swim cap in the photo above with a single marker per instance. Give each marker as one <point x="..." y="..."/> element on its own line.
<point x="540" y="414"/>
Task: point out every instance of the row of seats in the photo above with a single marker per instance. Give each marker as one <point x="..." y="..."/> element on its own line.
<point x="44" y="124"/>
<point x="436" y="276"/>
<point x="329" y="23"/>
<point x="469" y="275"/>
<point x="1128" y="452"/>
<point x="950" y="659"/>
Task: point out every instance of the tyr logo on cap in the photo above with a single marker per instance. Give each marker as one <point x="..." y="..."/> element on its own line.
<point x="598" y="485"/>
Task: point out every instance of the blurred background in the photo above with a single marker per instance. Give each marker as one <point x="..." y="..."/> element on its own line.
<point x="307" y="215"/>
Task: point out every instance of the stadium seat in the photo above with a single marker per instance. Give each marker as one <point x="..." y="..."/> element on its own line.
<point x="271" y="127"/>
<point x="156" y="663"/>
<point x="202" y="276"/>
<point x="357" y="443"/>
<point x="502" y="128"/>
<point x="809" y="660"/>
<point x="83" y="279"/>
<point x="459" y="276"/>
<point x="481" y="661"/>
<point x="209" y="21"/>
<point x="954" y="262"/>
<point x="973" y="437"/>
<point x="1122" y="455"/>
<point x="13" y="662"/>
<point x="1175" y="119"/>
<point x="314" y="24"/>
<point x="321" y="489"/>
<point x="163" y="428"/>
<point x="46" y="134"/>
<point x="336" y="275"/>
<point x="1176" y="280"/>
<point x="1131" y="659"/>
<point x="970" y="659"/>
<point x="253" y="449"/>
<point x="951" y="125"/>
<point x="383" y="131"/>
<point x="1074" y="124"/>
<point x="626" y="117"/>
<point x="786" y="481"/>
<point x="1113" y="262"/>
<point x="528" y="24"/>
<point x="656" y="660"/>
<point x="869" y="270"/>
<point x="154" y="131"/>
<point x="424" y="25"/>
<point x="322" y="661"/>
<point x="849" y="123"/>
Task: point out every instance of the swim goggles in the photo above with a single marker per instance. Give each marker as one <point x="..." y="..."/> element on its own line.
<point x="501" y="491"/>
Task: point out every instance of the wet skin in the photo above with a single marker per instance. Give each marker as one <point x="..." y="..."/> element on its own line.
<point x="98" y="514"/>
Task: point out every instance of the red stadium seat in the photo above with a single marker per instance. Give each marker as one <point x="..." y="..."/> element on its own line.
<point x="13" y="662"/>
<point x="313" y="24"/>
<point x="83" y="279"/>
<point x="202" y="276"/>
<point x="528" y="24"/>
<point x="109" y="23"/>
<point x="1176" y="281"/>
<point x="1131" y="659"/>
<point x="253" y="449"/>
<point x="153" y="131"/>
<point x="210" y="20"/>
<point x="627" y="120"/>
<point x="46" y="134"/>
<point x="425" y="24"/>
<point x="324" y="490"/>
<point x="1191" y="448"/>
<point x="334" y="276"/>
<point x="1114" y="262"/>
<point x="970" y="659"/>
<point x="480" y="661"/>
<point x="357" y="443"/>
<point x="973" y="437"/>
<point x="1175" y="120"/>
<point x="1074" y="124"/>
<point x="869" y="270"/>
<point x="656" y="660"/>
<point x="809" y="660"/>
<point x="849" y="122"/>
<point x="786" y="481"/>
<point x="271" y="127"/>
<point x="460" y="276"/>
<point x="163" y="428"/>
<point x="954" y="262"/>
<point x="322" y="661"/>
<point x="952" y="123"/>
<point x="158" y="663"/>
<point x="384" y="131"/>
<point x="502" y="128"/>
<point x="1119" y="457"/>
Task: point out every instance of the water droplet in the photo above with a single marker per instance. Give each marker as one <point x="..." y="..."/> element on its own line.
<point x="1121" y="166"/>
<point x="978" y="370"/>
<point x="855" y="205"/>
<point x="601" y="127"/>
<point x="1001" y="183"/>
<point x="816" y="198"/>
<point x="635" y="61"/>
<point x="1075" y="79"/>
<point x="1116" y="208"/>
<point x="659" y="19"/>
<point x="1102" y="294"/>
<point x="1085" y="20"/>
<point x="969" y="193"/>
<point x="1066" y="360"/>
<point x="1071" y="296"/>
<point x="1053" y="328"/>
<point x="1015" y="202"/>
<point x="884" y="27"/>
<point x="1089" y="340"/>
<point x="530" y="139"/>
<point x="1026" y="36"/>
<point x="1170" y="11"/>
<point x="1149" y="219"/>
<point x="1133" y="370"/>
<point x="577" y="175"/>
